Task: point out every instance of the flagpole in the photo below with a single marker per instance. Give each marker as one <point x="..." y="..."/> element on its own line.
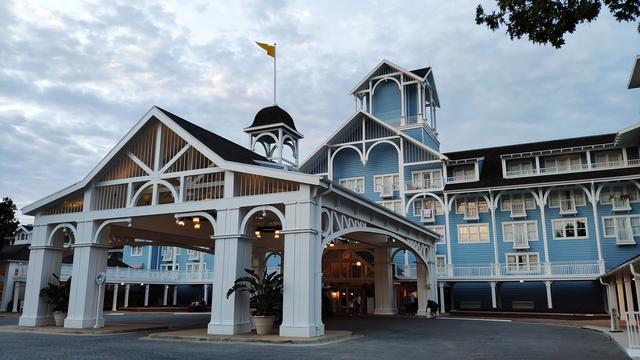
<point x="274" y="73"/>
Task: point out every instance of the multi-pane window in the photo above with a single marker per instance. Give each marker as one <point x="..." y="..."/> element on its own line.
<point x="193" y="254"/>
<point x="395" y="205"/>
<point x="527" y="200"/>
<point x="525" y="262"/>
<point x="569" y="228"/>
<point x="428" y="179"/>
<point x="623" y="228"/>
<point x="438" y="229"/>
<point x="471" y="204"/>
<point x="441" y="263"/>
<point x="609" y="193"/>
<point x="520" y="167"/>
<point x="513" y="231"/>
<point x="196" y="267"/>
<point x="386" y="183"/>
<point x="136" y="251"/>
<point x="462" y="172"/>
<point x="429" y="203"/>
<point x="577" y="196"/>
<point x="473" y="233"/>
<point x="169" y="267"/>
<point x="354" y="184"/>
<point x="167" y="253"/>
<point x="607" y="156"/>
<point x="562" y="163"/>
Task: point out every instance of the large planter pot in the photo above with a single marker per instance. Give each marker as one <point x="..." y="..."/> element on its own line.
<point x="59" y="316"/>
<point x="264" y="324"/>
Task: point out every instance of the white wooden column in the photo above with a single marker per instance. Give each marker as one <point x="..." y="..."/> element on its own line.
<point x="422" y="286"/>
<point x="175" y="295"/>
<point x="146" y="295"/>
<point x="547" y="284"/>
<point x="44" y="260"/>
<point x="165" y="295"/>
<point x="126" y="295"/>
<point x="87" y="297"/>
<point x="232" y="256"/>
<point x="302" y="300"/>
<point x="205" y="296"/>
<point x="620" y="295"/>
<point x="494" y="300"/>
<point x="16" y="297"/>
<point x="442" y="306"/>
<point x="614" y="311"/>
<point x="114" y="305"/>
<point x="384" y="300"/>
<point x="630" y="309"/>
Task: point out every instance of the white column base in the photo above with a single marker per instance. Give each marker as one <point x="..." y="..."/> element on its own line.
<point x="422" y="313"/>
<point x="389" y="311"/>
<point x="35" y="321"/>
<point x="82" y="323"/>
<point x="302" y="331"/>
<point x="230" y="329"/>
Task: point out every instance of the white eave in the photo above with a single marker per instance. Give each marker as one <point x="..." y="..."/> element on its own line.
<point x="387" y="62"/>
<point x="634" y="78"/>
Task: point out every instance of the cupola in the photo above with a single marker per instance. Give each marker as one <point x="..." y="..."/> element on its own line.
<point x="273" y="128"/>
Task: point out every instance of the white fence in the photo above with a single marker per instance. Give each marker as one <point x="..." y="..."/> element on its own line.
<point x="633" y="330"/>
<point x="528" y="271"/>
<point x="145" y="276"/>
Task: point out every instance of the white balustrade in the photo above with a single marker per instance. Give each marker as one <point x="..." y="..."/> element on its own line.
<point x="518" y="209"/>
<point x="621" y="203"/>
<point x="461" y="178"/>
<point x="426" y="184"/>
<point x="146" y="276"/>
<point x="526" y="271"/>
<point x="574" y="168"/>
<point x="568" y="206"/>
<point x="633" y="329"/>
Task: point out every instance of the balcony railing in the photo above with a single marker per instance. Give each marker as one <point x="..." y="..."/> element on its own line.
<point x="620" y="203"/>
<point x="518" y="210"/>
<point x="529" y="271"/>
<point x="422" y="185"/>
<point x="568" y="206"/>
<point x="574" y="168"/>
<point x="145" y="276"/>
<point x="520" y="241"/>
<point x="461" y="178"/>
<point x="404" y="271"/>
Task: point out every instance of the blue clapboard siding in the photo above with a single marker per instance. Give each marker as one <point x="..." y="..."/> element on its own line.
<point x="386" y="102"/>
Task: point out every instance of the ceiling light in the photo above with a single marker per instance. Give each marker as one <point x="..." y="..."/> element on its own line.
<point x="257" y="233"/>
<point x="358" y="263"/>
<point x="180" y="222"/>
<point x="196" y="220"/>
<point x="196" y="226"/>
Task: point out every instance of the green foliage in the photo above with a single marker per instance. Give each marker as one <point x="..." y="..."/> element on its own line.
<point x="57" y="294"/>
<point x="265" y="291"/>
<point x="547" y="21"/>
<point x="8" y="221"/>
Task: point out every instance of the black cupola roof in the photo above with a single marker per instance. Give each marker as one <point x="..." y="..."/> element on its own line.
<point x="273" y="115"/>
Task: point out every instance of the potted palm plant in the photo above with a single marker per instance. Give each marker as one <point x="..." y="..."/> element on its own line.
<point x="57" y="295"/>
<point x="265" y="295"/>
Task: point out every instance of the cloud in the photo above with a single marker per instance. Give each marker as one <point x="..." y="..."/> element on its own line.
<point x="75" y="77"/>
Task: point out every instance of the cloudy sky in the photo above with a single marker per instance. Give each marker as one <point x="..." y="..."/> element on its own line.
<point x="76" y="76"/>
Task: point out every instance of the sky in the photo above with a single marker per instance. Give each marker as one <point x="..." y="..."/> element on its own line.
<point x="76" y="76"/>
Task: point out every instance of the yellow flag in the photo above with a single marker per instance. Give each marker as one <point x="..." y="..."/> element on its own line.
<point x="270" y="49"/>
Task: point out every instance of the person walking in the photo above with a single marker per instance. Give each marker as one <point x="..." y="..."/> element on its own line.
<point x="432" y="308"/>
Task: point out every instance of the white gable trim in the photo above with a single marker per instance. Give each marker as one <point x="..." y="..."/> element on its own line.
<point x="384" y="61"/>
<point x="387" y="126"/>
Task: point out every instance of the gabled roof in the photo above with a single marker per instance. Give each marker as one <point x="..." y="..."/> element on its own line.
<point x="634" y="79"/>
<point x="226" y="149"/>
<point x="224" y="153"/>
<point x="423" y="75"/>
<point x="354" y="117"/>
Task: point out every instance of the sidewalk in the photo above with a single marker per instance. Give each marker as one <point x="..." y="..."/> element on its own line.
<point x="201" y="335"/>
<point x="108" y="329"/>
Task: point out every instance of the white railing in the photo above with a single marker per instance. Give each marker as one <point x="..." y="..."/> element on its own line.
<point x="146" y="276"/>
<point x="528" y="271"/>
<point x="518" y="209"/>
<point x="411" y="120"/>
<point x="620" y="203"/>
<point x="461" y="178"/>
<point x="574" y="168"/>
<point x="568" y="206"/>
<point x="417" y="185"/>
<point x="633" y="329"/>
<point x="405" y="271"/>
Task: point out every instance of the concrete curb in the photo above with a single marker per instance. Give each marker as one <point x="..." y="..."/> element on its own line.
<point x="114" y="329"/>
<point x="333" y="337"/>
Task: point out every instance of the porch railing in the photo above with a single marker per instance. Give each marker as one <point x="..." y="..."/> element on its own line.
<point x="518" y="209"/>
<point x="528" y="271"/>
<point x="620" y="203"/>
<point x="146" y="276"/>
<point x="633" y="329"/>
<point x="417" y="185"/>
<point x="574" y="168"/>
<point x="567" y="206"/>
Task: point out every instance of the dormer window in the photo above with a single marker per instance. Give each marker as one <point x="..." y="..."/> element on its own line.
<point x="607" y="159"/>
<point x="520" y="167"/>
<point x="562" y="164"/>
<point x="461" y="173"/>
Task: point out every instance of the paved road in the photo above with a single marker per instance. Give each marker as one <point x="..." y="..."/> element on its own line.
<point x="384" y="338"/>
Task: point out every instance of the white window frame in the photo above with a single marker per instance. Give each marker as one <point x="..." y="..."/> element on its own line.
<point x="606" y="193"/>
<point x="344" y="182"/>
<point x="431" y="172"/>
<point x="165" y="251"/>
<point x="479" y="233"/>
<point x="575" y="221"/>
<point x="434" y="228"/>
<point x="526" y="223"/>
<point x="443" y="268"/>
<point x="395" y="182"/>
<point x="518" y="265"/>
<point x="466" y="199"/>
<point x="634" y="233"/>
<point x="519" y="197"/>
<point x="436" y="207"/>
<point x="556" y="194"/>
<point x="138" y="250"/>
<point x="193" y="255"/>
<point x="386" y="202"/>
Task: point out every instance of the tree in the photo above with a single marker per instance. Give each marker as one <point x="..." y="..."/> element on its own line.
<point x="548" y="21"/>
<point x="8" y="221"/>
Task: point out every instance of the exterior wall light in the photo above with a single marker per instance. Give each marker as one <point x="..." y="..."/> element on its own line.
<point x="257" y="233"/>
<point x="277" y="234"/>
